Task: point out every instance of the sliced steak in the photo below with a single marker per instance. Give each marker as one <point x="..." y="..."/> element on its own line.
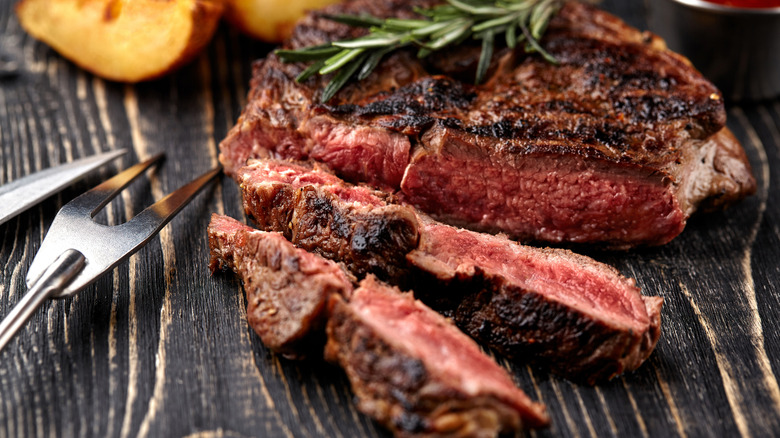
<point x="415" y="372"/>
<point x="287" y="289"/>
<point x="618" y="144"/>
<point x="576" y="315"/>
<point x="317" y="212"/>
<point x="411" y="369"/>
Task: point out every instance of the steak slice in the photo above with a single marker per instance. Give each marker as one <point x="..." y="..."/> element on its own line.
<point x="618" y="144"/>
<point x="415" y="372"/>
<point x="576" y="315"/>
<point x="287" y="289"/>
<point x="315" y="210"/>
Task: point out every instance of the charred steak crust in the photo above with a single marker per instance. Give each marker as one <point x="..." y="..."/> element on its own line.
<point x="579" y="317"/>
<point x="367" y="234"/>
<point x="405" y="390"/>
<point x="611" y="77"/>
<point x="287" y="289"/>
<point x="621" y="116"/>
<point x="515" y="321"/>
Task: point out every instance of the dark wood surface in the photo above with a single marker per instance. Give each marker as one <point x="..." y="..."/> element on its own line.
<point x="161" y="348"/>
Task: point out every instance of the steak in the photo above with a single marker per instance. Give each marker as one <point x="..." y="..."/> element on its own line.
<point x="577" y="316"/>
<point x="415" y="372"/>
<point x="411" y="369"/>
<point x="287" y="289"/>
<point x="619" y="144"/>
<point x="315" y="210"/>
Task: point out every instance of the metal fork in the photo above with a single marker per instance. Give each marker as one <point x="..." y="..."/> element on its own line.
<point x="77" y="250"/>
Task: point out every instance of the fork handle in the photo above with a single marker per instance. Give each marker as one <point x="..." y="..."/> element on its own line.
<point x="53" y="280"/>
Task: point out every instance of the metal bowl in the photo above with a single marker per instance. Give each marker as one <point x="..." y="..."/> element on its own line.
<point x="737" y="48"/>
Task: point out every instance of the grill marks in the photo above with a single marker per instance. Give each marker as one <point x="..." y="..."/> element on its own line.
<point x="429" y="94"/>
<point x="610" y="69"/>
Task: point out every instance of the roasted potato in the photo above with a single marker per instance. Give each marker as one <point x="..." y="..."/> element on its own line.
<point x="123" y="40"/>
<point x="269" y="20"/>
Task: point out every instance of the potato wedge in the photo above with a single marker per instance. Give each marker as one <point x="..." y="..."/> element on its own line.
<point x="269" y="20"/>
<point x="123" y="40"/>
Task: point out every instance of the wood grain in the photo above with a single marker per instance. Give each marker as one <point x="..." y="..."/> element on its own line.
<point x="161" y="348"/>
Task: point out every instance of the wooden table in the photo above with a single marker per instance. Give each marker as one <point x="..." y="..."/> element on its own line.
<point x="161" y="348"/>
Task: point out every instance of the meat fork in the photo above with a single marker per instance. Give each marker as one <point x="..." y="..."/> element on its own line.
<point x="77" y="250"/>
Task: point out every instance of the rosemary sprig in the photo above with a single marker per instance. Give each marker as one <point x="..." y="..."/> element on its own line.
<point x="520" y="22"/>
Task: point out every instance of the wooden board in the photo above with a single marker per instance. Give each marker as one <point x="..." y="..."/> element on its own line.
<point x="161" y="348"/>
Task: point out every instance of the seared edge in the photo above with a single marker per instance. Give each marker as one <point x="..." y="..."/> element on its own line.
<point x="718" y="174"/>
<point x="286" y="288"/>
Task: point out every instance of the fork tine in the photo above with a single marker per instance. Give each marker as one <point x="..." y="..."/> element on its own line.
<point x="96" y="198"/>
<point x="155" y="216"/>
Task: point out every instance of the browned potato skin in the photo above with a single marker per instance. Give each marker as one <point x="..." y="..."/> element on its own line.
<point x="123" y="40"/>
<point x="269" y="20"/>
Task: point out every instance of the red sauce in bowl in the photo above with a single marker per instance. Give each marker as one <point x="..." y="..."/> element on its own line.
<point x="756" y="4"/>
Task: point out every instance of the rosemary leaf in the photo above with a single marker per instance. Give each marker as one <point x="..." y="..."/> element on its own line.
<point x="372" y="61"/>
<point x="536" y="47"/>
<point x="340" y="79"/>
<point x="368" y="42"/>
<point x="476" y="8"/>
<point x="343" y="58"/>
<point x="423" y="52"/>
<point x="431" y="29"/>
<point x="440" y="13"/>
<point x="485" y="56"/>
<point x="449" y="35"/>
<point x="309" y="54"/>
<point x="405" y="24"/>
<point x="539" y="20"/>
<point x="511" y="35"/>
<point x="314" y="68"/>
<point x="495" y="22"/>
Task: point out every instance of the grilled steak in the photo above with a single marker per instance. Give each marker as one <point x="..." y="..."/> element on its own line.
<point x="287" y="289"/>
<point x="417" y="374"/>
<point x="411" y="369"/>
<point x="317" y="212"/>
<point x="619" y="144"/>
<point x="578" y="316"/>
